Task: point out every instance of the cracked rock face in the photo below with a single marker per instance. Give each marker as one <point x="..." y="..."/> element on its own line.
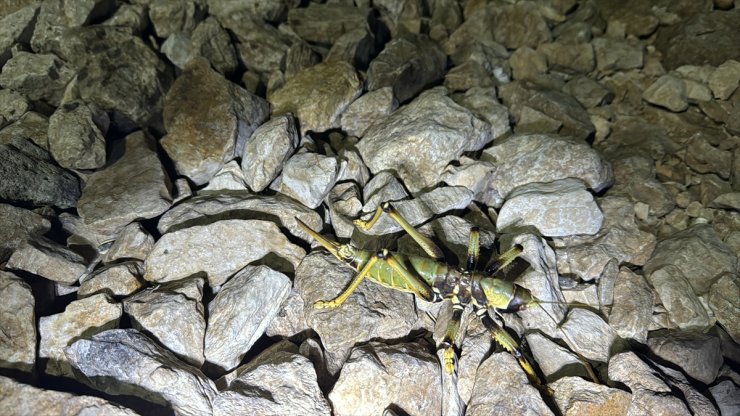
<point x="181" y="183"/>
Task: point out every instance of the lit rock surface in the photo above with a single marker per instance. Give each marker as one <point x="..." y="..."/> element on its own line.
<point x="697" y="354"/>
<point x="173" y="315"/>
<point x="18" y="225"/>
<point x="576" y="396"/>
<point x="524" y="159"/>
<point x="240" y="313"/>
<point x="219" y="249"/>
<point x="82" y="317"/>
<point x="124" y="361"/>
<point x="135" y="187"/>
<point x="371" y="312"/>
<point x="203" y="209"/>
<point x="27" y="176"/>
<point x="308" y="178"/>
<point x="31" y="400"/>
<point x="49" y="260"/>
<point x="592" y="336"/>
<point x="406" y="375"/>
<point x="556" y="209"/>
<point x="267" y="150"/>
<point x="133" y="242"/>
<point x="117" y="279"/>
<point x="202" y="138"/>
<point x="77" y="136"/>
<point x="316" y="103"/>
<point x="421" y="138"/>
<point x="17" y="324"/>
<point x="502" y="386"/>
<point x="632" y="307"/>
<point x="278" y="382"/>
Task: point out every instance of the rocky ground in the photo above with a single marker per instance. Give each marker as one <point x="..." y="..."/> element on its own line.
<point x="154" y="157"/>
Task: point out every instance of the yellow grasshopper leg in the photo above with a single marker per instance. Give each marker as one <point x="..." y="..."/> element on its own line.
<point x="428" y="245"/>
<point x="448" y="342"/>
<point x="417" y="286"/>
<point x="339" y="300"/>
<point x="505" y="340"/>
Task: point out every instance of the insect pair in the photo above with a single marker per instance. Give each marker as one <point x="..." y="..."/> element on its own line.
<point x="431" y="279"/>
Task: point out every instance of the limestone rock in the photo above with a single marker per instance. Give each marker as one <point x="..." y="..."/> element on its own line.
<point x="28" y="176"/>
<point x="134" y="187"/>
<point x="117" y="280"/>
<point x="308" y="177"/>
<point x="267" y="151"/>
<point x="696" y="353"/>
<point x="421" y="138"/>
<point x="632" y="308"/>
<point x="502" y="386"/>
<point x="50" y="260"/>
<point x="219" y="249"/>
<point x="404" y="375"/>
<point x="524" y="159"/>
<point x="242" y="310"/>
<point x="318" y="104"/>
<point x="33" y="401"/>
<point x="17" y="324"/>
<point x="556" y="209"/>
<point x="18" y="225"/>
<point x="576" y="396"/>
<point x="202" y="209"/>
<point x="86" y="317"/>
<point x="77" y="136"/>
<point x="407" y="64"/>
<point x="173" y="315"/>
<point x="124" y="361"/>
<point x="40" y="77"/>
<point x="369" y="108"/>
<point x="208" y="121"/>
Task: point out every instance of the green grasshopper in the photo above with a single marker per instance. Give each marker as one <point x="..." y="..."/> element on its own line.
<point x="433" y="280"/>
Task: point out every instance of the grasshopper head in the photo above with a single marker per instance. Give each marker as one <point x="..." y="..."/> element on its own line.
<point x="343" y="252"/>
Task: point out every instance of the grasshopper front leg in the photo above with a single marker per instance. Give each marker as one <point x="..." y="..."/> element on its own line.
<point x="339" y="300"/>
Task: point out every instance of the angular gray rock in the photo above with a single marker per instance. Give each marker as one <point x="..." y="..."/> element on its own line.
<point x="421" y="138"/>
<point x="559" y="208"/>
<point x="697" y="402"/>
<point x="203" y="209"/>
<point x="50" y="260"/>
<point x="685" y="310"/>
<point x="371" y="312"/>
<point x="133" y="242"/>
<point x="172" y="314"/>
<point x="696" y="353"/>
<point x="726" y="395"/>
<point x="213" y="42"/>
<point x="12" y="107"/>
<point x="17" y="324"/>
<point x="18" y="225"/>
<point x="554" y="104"/>
<point x="592" y="336"/>
<point x="418" y="210"/>
<point x="277" y="382"/>
<point x="576" y="396"/>
<point x="616" y="55"/>
<point x="267" y="151"/>
<point x="523" y="159"/>
<point x="28" y="176"/>
<point x="669" y="92"/>
<point x="554" y="361"/>
<point x="242" y="310"/>
<point x="632" y="308"/>
<point x="325" y="23"/>
<point x="318" y="104"/>
<point x="134" y="187"/>
<point x="724" y="80"/>
<point x="29" y="125"/>
<point x="16" y="26"/>
<point x="407" y="64"/>
<point x="521" y="24"/>
<point x="620" y="239"/>
<point x="377" y="376"/>
<point x="208" y="121"/>
<point x="40" y="77"/>
<point x="136" y="91"/>
<point x="169" y="17"/>
<point x="370" y="107"/>
<point x="308" y="177"/>
<point x="84" y="317"/>
<point x="230" y="177"/>
<point x="77" y="136"/>
<point x="124" y="361"/>
<point x="29" y="400"/>
<point x="356" y="47"/>
<point x="685" y="249"/>
<point x="219" y="249"/>
<point x="726" y="305"/>
<point x="117" y="279"/>
<point x="501" y="386"/>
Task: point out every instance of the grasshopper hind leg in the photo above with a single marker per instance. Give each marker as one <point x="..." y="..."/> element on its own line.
<point x="448" y="342"/>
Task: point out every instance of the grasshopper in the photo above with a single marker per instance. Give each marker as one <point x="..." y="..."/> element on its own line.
<point x="433" y="280"/>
